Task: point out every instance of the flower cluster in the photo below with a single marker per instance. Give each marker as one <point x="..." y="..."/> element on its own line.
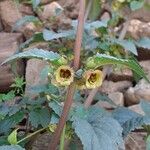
<point x="64" y="76"/>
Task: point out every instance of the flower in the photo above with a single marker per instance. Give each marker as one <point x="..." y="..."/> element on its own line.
<point x="64" y="75"/>
<point x="93" y="78"/>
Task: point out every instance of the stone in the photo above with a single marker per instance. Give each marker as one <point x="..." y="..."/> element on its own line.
<point x="146" y="66"/>
<point x="1" y="26"/>
<point x="9" y="43"/>
<point x="29" y="29"/>
<point x="110" y="86"/>
<point x="32" y="76"/>
<point x="116" y="97"/>
<point x="134" y="94"/>
<point x="50" y="11"/>
<point x="138" y="29"/>
<point x="105" y="16"/>
<point x="9" y="14"/>
<point x="137" y="108"/>
<point x="121" y="75"/>
<point x="26" y="9"/>
<point x="135" y="141"/>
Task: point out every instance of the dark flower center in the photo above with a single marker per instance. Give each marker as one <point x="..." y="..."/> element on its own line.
<point x="65" y="73"/>
<point x="92" y="78"/>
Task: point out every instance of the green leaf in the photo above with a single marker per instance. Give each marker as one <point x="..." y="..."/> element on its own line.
<point x="37" y="37"/>
<point x="98" y="131"/>
<point x="148" y="143"/>
<point x="135" y="123"/>
<point x="39" y="117"/>
<point x="24" y="20"/>
<point x="10" y="121"/>
<point x="34" y="53"/>
<point x="35" y="3"/>
<point x="134" y="5"/>
<point x="50" y="35"/>
<point x="11" y="147"/>
<point x="103" y="59"/>
<point x="9" y="96"/>
<point x="145" y="107"/>
<point x="127" y="45"/>
<point x="122" y="114"/>
<point x="144" y="42"/>
<point x="129" y="120"/>
<point x="12" y="138"/>
<point x="95" y="9"/>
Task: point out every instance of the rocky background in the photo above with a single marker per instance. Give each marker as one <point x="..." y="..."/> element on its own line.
<point x="119" y="86"/>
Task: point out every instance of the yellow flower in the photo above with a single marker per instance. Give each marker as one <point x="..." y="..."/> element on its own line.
<point x="64" y="75"/>
<point x="93" y="78"/>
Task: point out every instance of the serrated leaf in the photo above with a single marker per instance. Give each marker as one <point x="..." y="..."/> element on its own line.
<point x="50" y="35"/>
<point x="95" y="9"/>
<point x="103" y="59"/>
<point x="9" y="122"/>
<point x="144" y="42"/>
<point x="135" y="123"/>
<point x="12" y="138"/>
<point x="23" y="21"/>
<point x="39" y="117"/>
<point x="145" y="107"/>
<point x="37" y="37"/>
<point x="34" y="53"/>
<point x="35" y="3"/>
<point x="9" y="96"/>
<point x="98" y="131"/>
<point x="11" y="147"/>
<point x="56" y="107"/>
<point x="148" y="143"/>
<point x="129" y="120"/>
<point x="122" y="114"/>
<point x="134" y="5"/>
<point x="127" y="45"/>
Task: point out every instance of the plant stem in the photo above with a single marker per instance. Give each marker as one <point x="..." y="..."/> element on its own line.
<point x="71" y="88"/>
<point x="30" y="135"/>
<point x="62" y="139"/>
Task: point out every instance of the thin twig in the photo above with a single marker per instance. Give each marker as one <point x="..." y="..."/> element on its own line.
<point x="71" y="88"/>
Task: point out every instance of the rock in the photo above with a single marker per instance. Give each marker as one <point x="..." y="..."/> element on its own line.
<point x="121" y="75"/>
<point x="71" y="8"/>
<point x="146" y="66"/>
<point x="110" y="86"/>
<point x="137" y="108"/>
<point x="33" y="70"/>
<point x="1" y="26"/>
<point x="29" y="29"/>
<point x="134" y="94"/>
<point x="26" y="9"/>
<point x="105" y="16"/>
<point x="9" y="14"/>
<point x="9" y="43"/>
<point x="135" y="141"/>
<point x="138" y="29"/>
<point x="50" y="10"/>
<point x="116" y="97"/>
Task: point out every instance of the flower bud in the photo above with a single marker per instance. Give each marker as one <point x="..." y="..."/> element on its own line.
<point x="93" y="78"/>
<point x="62" y="61"/>
<point x="90" y="63"/>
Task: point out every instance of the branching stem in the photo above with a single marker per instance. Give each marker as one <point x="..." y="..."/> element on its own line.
<point x="71" y="88"/>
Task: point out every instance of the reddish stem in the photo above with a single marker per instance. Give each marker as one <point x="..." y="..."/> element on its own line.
<point x="71" y="88"/>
